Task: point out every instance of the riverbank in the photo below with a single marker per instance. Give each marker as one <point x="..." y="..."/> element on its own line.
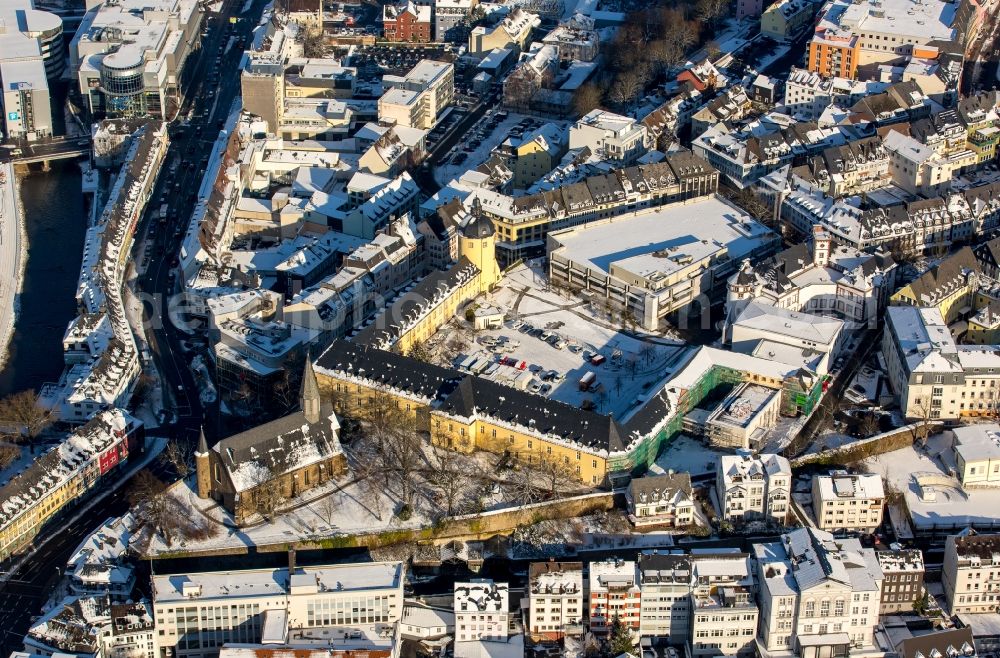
<point x="13" y="256"/>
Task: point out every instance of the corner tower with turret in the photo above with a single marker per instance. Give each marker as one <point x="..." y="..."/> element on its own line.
<point x="477" y="241"/>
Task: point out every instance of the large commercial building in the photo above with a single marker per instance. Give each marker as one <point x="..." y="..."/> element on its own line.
<point x="651" y="264"/>
<point x="197" y="613"/>
<point x="31" y="54"/>
<point x="849" y="35"/>
<point x="971" y="573"/>
<point x="611" y="137"/>
<point x="129" y="56"/>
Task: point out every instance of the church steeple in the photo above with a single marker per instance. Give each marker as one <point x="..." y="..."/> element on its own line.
<point x="309" y="399"/>
<point x="202" y="442"/>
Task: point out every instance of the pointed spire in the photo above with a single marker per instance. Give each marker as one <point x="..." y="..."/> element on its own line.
<point x="309" y="398"/>
<point x="202" y="442"/>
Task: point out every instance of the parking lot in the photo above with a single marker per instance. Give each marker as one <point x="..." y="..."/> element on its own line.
<point x="373" y="62"/>
<point x="486" y="134"/>
<point x="556" y="346"/>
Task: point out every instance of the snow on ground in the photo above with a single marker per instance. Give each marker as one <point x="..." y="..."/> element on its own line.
<point x="525" y="297"/>
<point x="951" y="505"/>
<point x="347" y="507"/>
<point x="690" y="455"/>
<point x="447" y="172"/>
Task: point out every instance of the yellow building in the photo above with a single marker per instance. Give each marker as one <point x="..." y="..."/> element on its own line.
<point x="477" y="243"/>
<point x="417" y="315"/>
<point x="950" y="287"/>
<point x="467" y="413"/>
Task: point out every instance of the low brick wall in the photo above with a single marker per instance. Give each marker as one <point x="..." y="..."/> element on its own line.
<point x="864" y="448"/>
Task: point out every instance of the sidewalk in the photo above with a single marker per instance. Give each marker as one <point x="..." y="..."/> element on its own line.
<point x="154" y="446"/>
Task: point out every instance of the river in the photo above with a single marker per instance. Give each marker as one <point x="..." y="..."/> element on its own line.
<point x="56" y="217"/>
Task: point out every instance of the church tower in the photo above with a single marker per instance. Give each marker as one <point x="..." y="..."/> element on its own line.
<point x="309" y="398"/>
<point x="477" y="241"/>
<point x="203" y="466"/>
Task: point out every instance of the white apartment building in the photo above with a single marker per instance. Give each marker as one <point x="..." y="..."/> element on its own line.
<point x="417" y="99"/>
<point x="818" y="596"/>
<point x="753" y="488"/>
<point x="724" y="615"/>
<point x="848" y="502"/>
<point x="609" y="136"/>
<point x="129" y="55"/>
<point x="917" y="168"/>
<point x="977" y="454"/>
<point x="971" y="573"/>
<point x="704" y="598"/>
<point x="482" y="611"/>
<point x="665" y="500"/>
<point x="192" y="609"/>
<point x="555" y="599"/>
<point x="808" y="94"/>
<point x="451" y="14"/>
<point x="934" y="377"/>
<point x="614" y="592"/>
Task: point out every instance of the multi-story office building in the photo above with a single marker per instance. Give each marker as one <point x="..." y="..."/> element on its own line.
<point x="665" y="608"/>
<point x="31" y="53"/>
<point x="129" y="56"/>
<point x="555" y="599"/>
<point x="818" y="596"/>
<point x="849" y="35"/>
<point x="482" y="611"/>
<point x="902" y="578"/>
<point x="417" y="99"/>
<point x="198" y="613"/>
<point x="848" y="502"/>
<point x="753" y="488"/>
<point x="615" y="591"/>
<point x="723" y="612"/>
<point x="971" y="573"/>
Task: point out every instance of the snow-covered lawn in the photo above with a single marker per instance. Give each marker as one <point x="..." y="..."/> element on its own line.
<point x="351" y="506"/>
<point x="690" y="455"/>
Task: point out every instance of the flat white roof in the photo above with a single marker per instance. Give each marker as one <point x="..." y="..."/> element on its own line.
<point x="665" y="239"/>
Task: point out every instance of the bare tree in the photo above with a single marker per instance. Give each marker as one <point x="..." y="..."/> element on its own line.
<point x="626" y="88"/>
<point x="403" y="453"/>
<point x="8" y="455"/>
<point x="286" y="390"/>
<point x="23" y="418"/>
<point x="588" y="97"/>
<point x="647" y="352"/>
<point x="449" y="478"/>
<point x="180" y="456"/>
<point x="869" y="425"/>
<point x="147" y="498"/>
<point x="327" y="508"/>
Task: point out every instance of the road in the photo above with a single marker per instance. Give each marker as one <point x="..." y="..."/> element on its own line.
<point x="981" y="63"/>
<point x="22" y="595"/>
